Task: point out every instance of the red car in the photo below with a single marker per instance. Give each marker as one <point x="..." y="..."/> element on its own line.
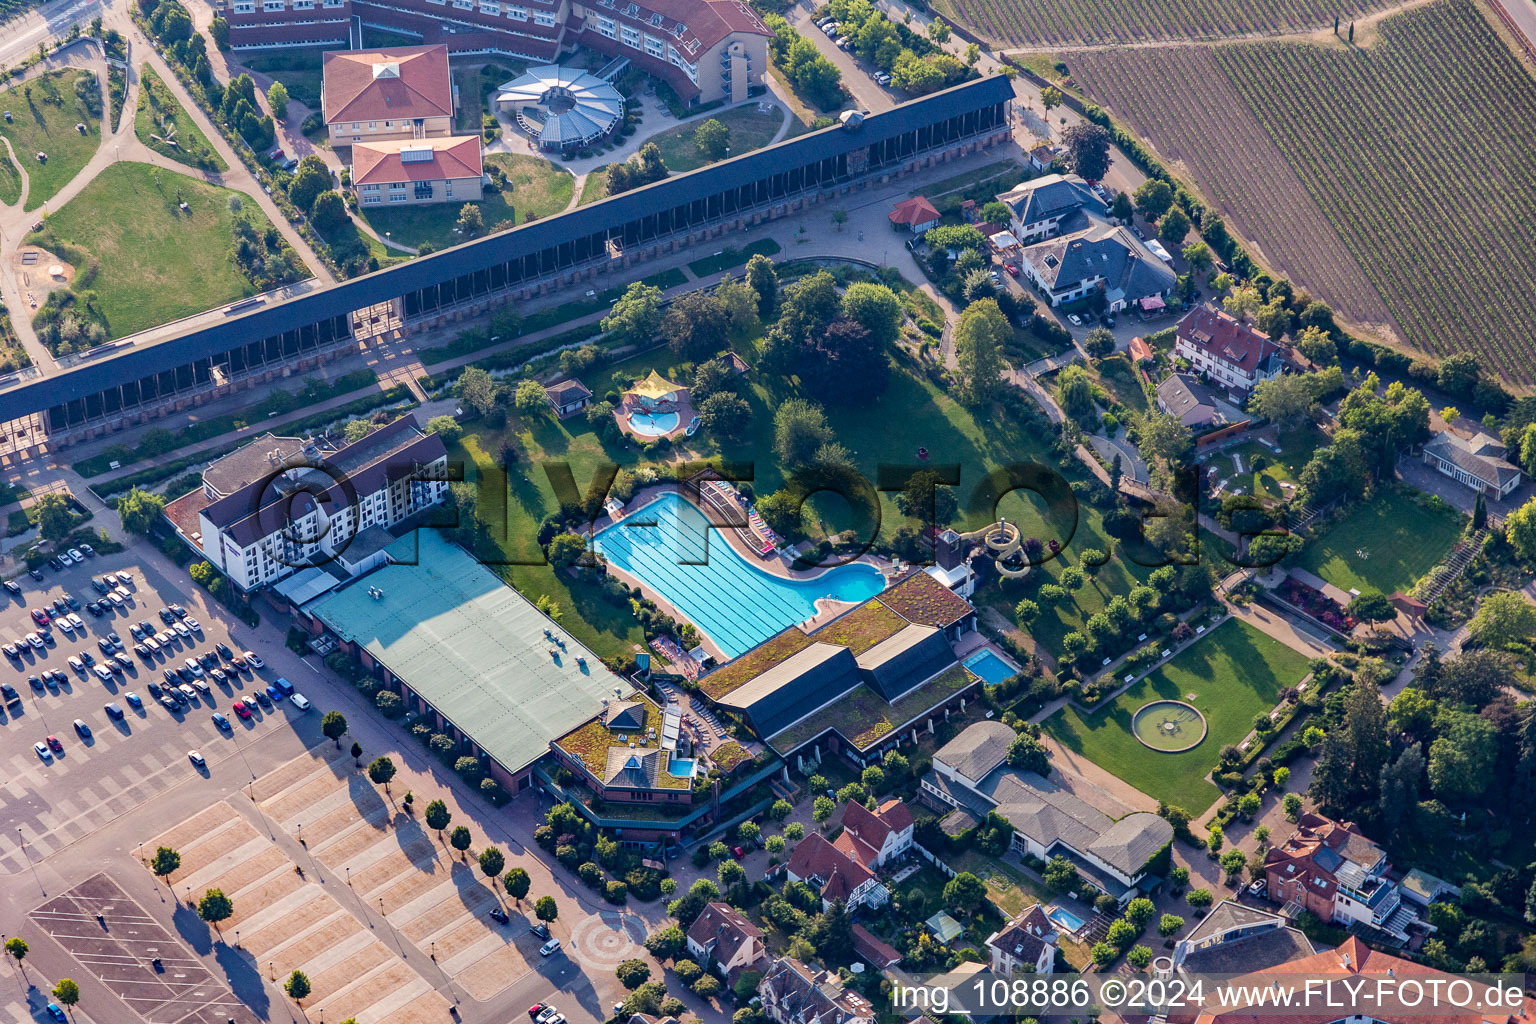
<point x="738" y="853"/>
<point x="39" y="616"/>
<point x="241" y="709"/>
<point x="1013" y="271"/>
<point x="53" y="742"/>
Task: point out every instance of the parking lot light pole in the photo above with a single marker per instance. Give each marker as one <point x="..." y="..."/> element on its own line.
<point x="22" y="839"/>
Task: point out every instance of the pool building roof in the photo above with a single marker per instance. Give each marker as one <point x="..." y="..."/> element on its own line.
<point x="471" y="647"/>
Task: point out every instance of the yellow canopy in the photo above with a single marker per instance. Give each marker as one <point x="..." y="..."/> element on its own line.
<point x="655" y="386"/>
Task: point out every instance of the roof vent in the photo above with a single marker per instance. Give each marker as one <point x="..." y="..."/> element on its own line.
<point x="386" y="69"/>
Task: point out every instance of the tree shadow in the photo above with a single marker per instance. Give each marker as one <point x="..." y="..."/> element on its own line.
<point x="194" y="931"/>
<point x="244" y="976"/>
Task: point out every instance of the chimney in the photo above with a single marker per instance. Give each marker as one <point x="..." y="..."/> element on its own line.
<point x="949" y="550"/>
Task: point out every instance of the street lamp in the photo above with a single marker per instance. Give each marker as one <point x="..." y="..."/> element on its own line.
<point x="270" y="972"/>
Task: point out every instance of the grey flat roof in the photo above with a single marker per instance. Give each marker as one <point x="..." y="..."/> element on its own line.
<point x="136" y="361"/>
<point x="472" y="647"/>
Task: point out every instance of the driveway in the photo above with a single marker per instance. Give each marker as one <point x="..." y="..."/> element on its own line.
<point x="866" y="93"/>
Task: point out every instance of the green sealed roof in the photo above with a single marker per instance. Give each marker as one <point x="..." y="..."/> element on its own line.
<point x="472" y="647"/>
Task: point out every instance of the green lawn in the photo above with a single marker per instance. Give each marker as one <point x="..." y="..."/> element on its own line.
<point x="595" y="187"/>
<point x="535" y="188"/>
<point x="1119" y="379"/>
<point x="749" y="130"/>
<point x="728" y="258"/>
<point x="1231" y="675"/>
<point x="1387" y="543"/>
<point x="160" y="118"/>
<point x="45" y="112"/>
<point x="300" y="69"/>
<point x="1296" y="448"/>
<point x="157" y="263"/>
<point x="466" y="119"/>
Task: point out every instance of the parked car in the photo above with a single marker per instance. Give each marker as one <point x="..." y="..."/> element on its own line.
<point x="550" y="947"/>
<point x="113" y="710"/>
<point x="42" y="751"/>
<point x="224" y="651"/>
<point x="83" y="729"/>
<point x="13" y="586"/>
<point x="254" y="661"/>
<point x="284" y="686"/>
<point x="196" y="759"/>
<point x="300" y="702"/>
<point x="90" y="552"/>
<point x="222" y="722"/>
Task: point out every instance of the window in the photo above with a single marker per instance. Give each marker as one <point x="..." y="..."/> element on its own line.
<point x="245" y="6"/>
<point x="607" y="26"/>
<point x="373" y="125"/>
<point x="464" y="5"/>
<point x="490" y="8"/>
<point x="631" y="36"/>
<point x="517" y="13"/>
<point x="272" y="5"/>
<point x="303" y="5"/>
<point x="654" y="47"/>
<point x="371" y="188"/>
<point x="398" y="197"/>
<point x="545" y="18"/>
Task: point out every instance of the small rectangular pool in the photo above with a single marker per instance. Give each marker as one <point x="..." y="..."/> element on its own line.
<point x="1070" y="922"/>
<point x="990" y="667"/>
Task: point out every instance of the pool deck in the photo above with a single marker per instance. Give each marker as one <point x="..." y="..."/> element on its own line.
<point x="827" y="609"/>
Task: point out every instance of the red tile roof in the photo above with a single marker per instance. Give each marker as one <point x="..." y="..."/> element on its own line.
<point x="1140" y="350"/>
<point x="840" y="873"/>
<point x="878" y="953"/>
<point x="917" y="210"/>
<point x="866" y="831"/>
<point x="378" y="163"/>
<point x="396" y="84"/>
<point x="1226" y="339"/>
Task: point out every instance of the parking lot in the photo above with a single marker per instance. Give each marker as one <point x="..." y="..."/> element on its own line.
<point x="86" y="781"/>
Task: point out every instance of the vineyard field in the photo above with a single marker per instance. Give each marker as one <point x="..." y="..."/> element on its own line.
<point x="1418" y="151"/>
<point x="1178" y="99"/>
<point x="1099" y="23"/>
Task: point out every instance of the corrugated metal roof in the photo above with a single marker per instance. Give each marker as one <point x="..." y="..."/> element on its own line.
<point x="473" y="648"/>
<point x="527" y="239"/>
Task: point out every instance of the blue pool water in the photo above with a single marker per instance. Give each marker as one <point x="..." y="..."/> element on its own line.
<point x="681" y="767"/>
<point x="653" y="424"/>
<point x="989" y="666"/>
<point x="733" y="602"/>
<point x="1069" y="921"/>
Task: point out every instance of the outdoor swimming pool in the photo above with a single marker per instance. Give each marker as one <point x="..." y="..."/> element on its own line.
<point x="989" y="666"/>
<point x="652" y="424"/>
<point x="736" y="604"/>
<point x="1070" y="922"/>
<point x="681" y="767"/>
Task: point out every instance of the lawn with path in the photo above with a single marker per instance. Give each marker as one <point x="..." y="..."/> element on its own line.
<point x="45" y="114"/>
<point x="157" y="263"/>
<point x="595" y="187"/>
<point x="534" y="188"/>
<point x="161" y="117"/>
<point x="1232" y="674"/>
<point x="1386" y="543"/>
<point x="300" y="69"/>
<point x="749" y="129"/>
<point x="1296" y="449"/>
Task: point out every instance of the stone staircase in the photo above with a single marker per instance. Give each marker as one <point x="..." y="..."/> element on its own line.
<point x="1443" y="575"/>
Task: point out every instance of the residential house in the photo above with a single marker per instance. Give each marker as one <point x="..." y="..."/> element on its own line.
<point x="1235" y="937"/>
<point x="916" y="215"/>
<point x="1182" y="396"/>
<point x="1027" y="944"/>
<point x="1479" y="462"/>
<point x="1331" y="869"/>
<point x="375" y="95"/>
<point x="835" y="875"/>
<point x="282" y="504"/>
<point x="1041" y="158"/>
<point x="1098" y="257"/>
<point x="1140" y="351"/>
<point x="876" y="838"/>
<point x="417" y="172"/>
<point x="879" y="955"/>
<point x="1046" y="206"/>
<point x="722" y="939"/>
<point x="1112" y="847"/>
<point x="793" y="993"/>
<point x="1226" y="350"/>
<point x="568" y="397"/>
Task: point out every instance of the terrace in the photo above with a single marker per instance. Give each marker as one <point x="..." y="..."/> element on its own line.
<point x="863" y="718"/>
<point x="636" y="727"/>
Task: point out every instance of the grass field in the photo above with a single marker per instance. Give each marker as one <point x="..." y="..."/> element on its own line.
<point x="749" y="130"/>
<point x="729" y="258"/>
<point x="160" y="116"/>
<point x="1388" y="543"/>
<point x="1088" y="21"/>
<point x="535" y="188"/>
<point x="1296" y="448"/>
<point x="1376" y="207"/>
<point x="156" y="263"/>
<point x="595" y="187"/>
<point x="45" y="112"/>
<point x="299" y="69"/>
<point x="1231" y="675"/>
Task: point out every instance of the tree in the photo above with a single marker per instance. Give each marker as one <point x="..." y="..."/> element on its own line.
<point x="1285" y="400"/>
<point x="1461" y="760"/>
<point x="165" y="863"/>
<point x="140" y="510"/>
<point x="725" y="415"/>
<point x="297" y="986"/>
<point x="460" y="838"/>
<point x="1153" y="198"/>
<point x="1060" y="875"/>
<point x="1520" y="529"/>
<point x="219" y="29"/>
<point x="516" y="882"/>
<point x="380" y="771"/>
<point x="329" y="211"/>
<point x="545" y="909"/>
<point x="1172" y="228"/>
<point x="1087" y="147"/>
<point x="764" y="280"/>
<point x="491" y="862"/>
<point x="54" y="521"/>
<point x="1372" y="606"/>
<point x="981" y="336"/>
<point x="876" y="308"/>
<point x="1028" y="753"/>
<point x="1169" y="924"/>
<point x="712" y="139"/>
<point x="822" y="809"/>
<point x="925" y="496"/>
<point x="333" y="725"/>
<point x="695" y="326"/>
<point x="799" y="429"/>
<point x="215" y="907"/>
<point x="66" y="992"/>
<point x="1505" y="617"/>
<point x="1099" y="342"/>
<point x="1164" y="439"/>
<point x="1233" y="862"/>
<point x="1199" y="898"/>
<point x="357" y="752"/>
<point x="16" y="949"/>
<point x="1199" y="256"/>
<point x="277" y="98"/>
<point x="477" y="389"/>
<point x="965" y="892"/>
<point x="1399" y="786"/>
<point x="666" y="943"/>
<point x="636" y="316"/>
<point x="470" y="223"/>
<point x="633" y="973"/>
<point x="438" y="816"/>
